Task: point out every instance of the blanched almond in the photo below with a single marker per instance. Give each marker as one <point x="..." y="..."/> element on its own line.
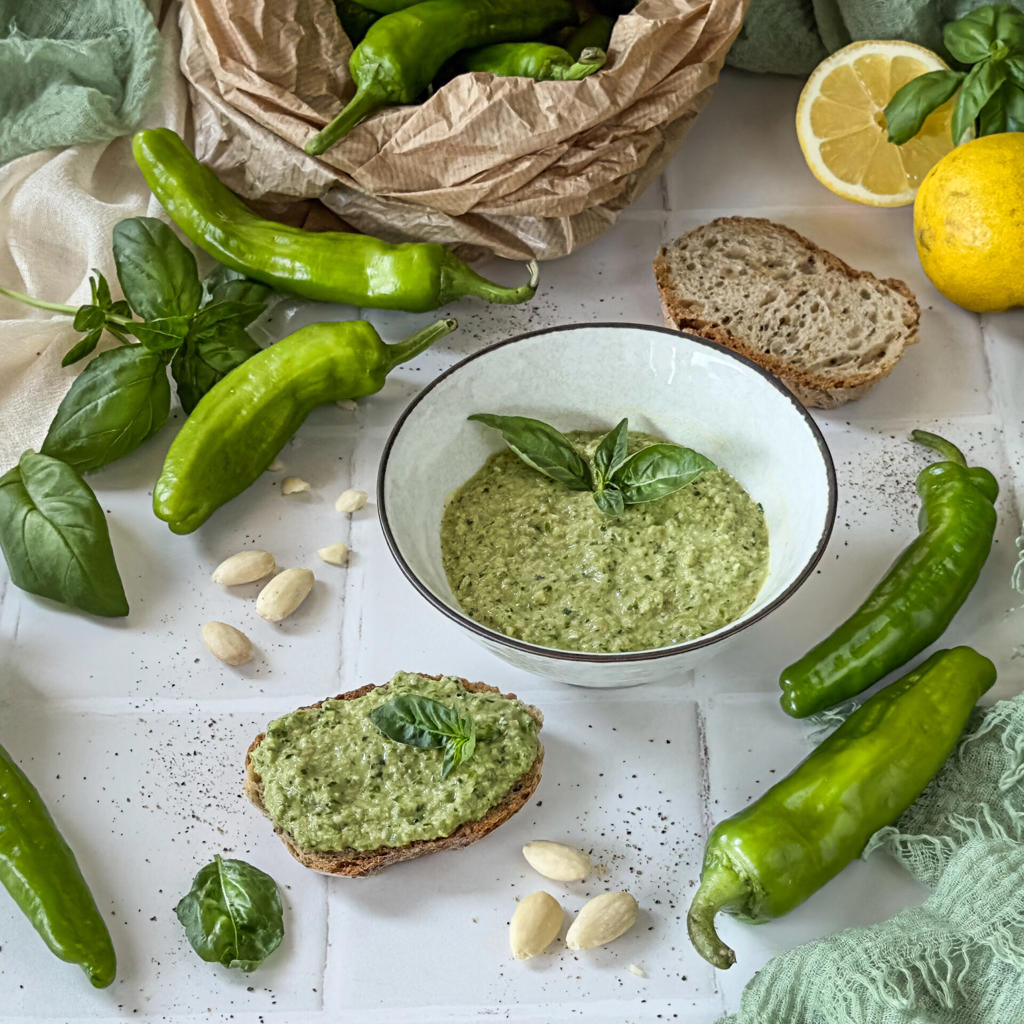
<point x="245" y="567"/>
<point x="294" y="485"/>
<point x="284" y="593"/>
<point x="534" y="925"/>
<point x="602" y="920"/>
<point x="351" y="501"/>
<point x="557" y="861"/>
<point x="227" y="643"/>
<point x="334" y="554"/>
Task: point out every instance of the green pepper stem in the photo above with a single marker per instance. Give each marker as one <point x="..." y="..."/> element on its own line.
<point x="946" y="449"/>
<point x="720" y="887"/>
<point x="590" y="60"/>
<point x="458" y="279"/>
<point x="53" y="307"/>
<point x="364" y="103"/>
<point x="402" y="351"/>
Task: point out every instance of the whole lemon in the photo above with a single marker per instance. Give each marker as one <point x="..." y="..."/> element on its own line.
<point x="969" y="223"/>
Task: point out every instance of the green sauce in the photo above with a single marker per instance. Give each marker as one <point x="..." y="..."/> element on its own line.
<point x="533" y="560"/>
<point x="333" y="781"/>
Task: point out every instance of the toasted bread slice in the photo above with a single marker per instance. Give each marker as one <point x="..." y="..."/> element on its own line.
<point x="829" y="332"/>
<point x="356" y="863"/>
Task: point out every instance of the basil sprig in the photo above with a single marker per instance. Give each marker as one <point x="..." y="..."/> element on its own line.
<point x="232" y="914"/>
<point x="991" y="99"/>
<point x="617" y="479"/>
<point x="423" y="722"/>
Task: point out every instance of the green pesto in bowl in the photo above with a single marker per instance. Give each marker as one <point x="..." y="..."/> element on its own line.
<point x="533" y="560"/>
<point x="333" y="781"/>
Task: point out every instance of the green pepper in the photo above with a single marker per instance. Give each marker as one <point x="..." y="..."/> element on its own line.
<point x="355" y="19"/>
<point x="247" y="417"/>
<point x="538" y="61"/>
<point x="327" y="266"/>
<point x="401" y="53"/>
<point x="40" y="872"/>
<point x="595" y="31"/>
<point x="914" y="603"/>
<point x="773" y="855"/>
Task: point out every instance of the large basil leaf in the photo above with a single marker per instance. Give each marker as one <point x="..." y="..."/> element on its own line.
<point x="910" y="106"/>
<point x="970" y="38"/>
<point x="55" y="539"/>
<point x="657" y="470"/>
<point x="232" y="914"/>
<point x="543" y="448"/>
<point x="1014" y="107"/>
<point x="157" y="271"/>
<point x="422" y="722"/>
<point x="611" y="452"/>
<point x="979" y="87"/>
<point x="119" y="400"/>
<point x="202" y="361"/>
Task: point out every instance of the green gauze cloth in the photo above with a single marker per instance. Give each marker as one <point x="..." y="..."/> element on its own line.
<point x="73" y="71"/>
<point x="958" y="958"/>
<point x="791" y="37"/>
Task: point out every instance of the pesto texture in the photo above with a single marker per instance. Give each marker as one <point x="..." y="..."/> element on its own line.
<point x="333" y="781"/>
<point x="533" y="560"/>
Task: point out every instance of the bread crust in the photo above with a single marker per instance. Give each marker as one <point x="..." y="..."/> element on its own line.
<point x="818" y="390"/>
<point x="359" y="863"/>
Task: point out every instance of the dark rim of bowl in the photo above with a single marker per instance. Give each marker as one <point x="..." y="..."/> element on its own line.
<point x="623" y="656"/>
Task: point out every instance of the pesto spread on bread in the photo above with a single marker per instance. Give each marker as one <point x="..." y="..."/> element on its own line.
<point x="534" y="560"/>
<point x="333" y="781"/>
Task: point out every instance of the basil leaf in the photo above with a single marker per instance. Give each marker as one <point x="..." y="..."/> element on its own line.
<point x="1014" y="107"/>
<point x="657" y="470"/>
<point x="1015" y="70"/>
<point x="100" y="289"/>
<point x="970" y="38"/>
<point x="162" y="334"/>
<point x="157" y="272"/>
<point x="232" y="915"/>
<point x="542" y="448"/>
<point x="119" y="400"/>
<point x="610" y="501"/>
<point x="55" y="539"/>
<point x="223" y="284"/>
<point x="910" y="106"/>
<point x="422" y="722"/>
<point x="88" y="317"/>
<point x="992" y="118"/>
<point x="979" y="86"/>
<point x="82" y="348"/>
<point x="611" y="452"/>
<point x="227" y="311"/>
<point x="204" y="359"/>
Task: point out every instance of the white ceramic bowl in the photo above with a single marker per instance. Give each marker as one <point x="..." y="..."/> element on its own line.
<point x="587" y="377"/>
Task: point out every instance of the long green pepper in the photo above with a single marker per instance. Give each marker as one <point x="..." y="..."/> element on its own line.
<point x="327" y="266"/>
<point x="40" y="872"/>
<point x="916" y="600"/>
<point x="248" y="416"/>
<point x="402" y="52"/>
<point x="764" y="861"/>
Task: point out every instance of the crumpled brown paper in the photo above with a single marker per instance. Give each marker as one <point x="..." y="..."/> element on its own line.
<point x="513" y="166"/>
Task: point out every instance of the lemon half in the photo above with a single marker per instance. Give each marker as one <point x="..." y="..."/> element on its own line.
<point x="840" y="123"/>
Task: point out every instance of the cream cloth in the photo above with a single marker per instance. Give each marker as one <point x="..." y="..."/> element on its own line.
<point x="58" y="209"/>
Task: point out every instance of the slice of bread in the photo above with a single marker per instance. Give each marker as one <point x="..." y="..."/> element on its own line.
<point x="829" y="332"/>
<point x="356" y="863"/>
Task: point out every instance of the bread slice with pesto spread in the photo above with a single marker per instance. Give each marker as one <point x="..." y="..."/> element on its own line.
<point x="354" y="862"/>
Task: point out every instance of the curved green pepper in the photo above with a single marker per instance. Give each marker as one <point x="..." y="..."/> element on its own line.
<point x="770" y="857"/>
<point x="40" y="872"/>
<point x="400" y="54"/>
<point x="328" y="266"/>
<point x="247" y="417"/>
<point x="918" y="597"/>
<point x="538" y="61"/>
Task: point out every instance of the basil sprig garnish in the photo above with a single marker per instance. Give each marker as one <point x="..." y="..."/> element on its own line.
<point x="423" y="722"/>
<point x="991" y="99"/>
<point x="617" y="479"/>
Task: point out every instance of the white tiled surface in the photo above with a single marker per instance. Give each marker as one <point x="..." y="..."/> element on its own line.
<point x="136" y="736"/>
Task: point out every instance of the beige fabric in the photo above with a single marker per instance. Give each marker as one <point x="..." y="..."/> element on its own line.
<point x="57" y="211"/>
<point x="518" y="167"/>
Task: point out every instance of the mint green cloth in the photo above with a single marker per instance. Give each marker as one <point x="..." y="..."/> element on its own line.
<point x="73" y="71"/>
<point x="791" y="37"/>
<point x="958" y="958"/>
